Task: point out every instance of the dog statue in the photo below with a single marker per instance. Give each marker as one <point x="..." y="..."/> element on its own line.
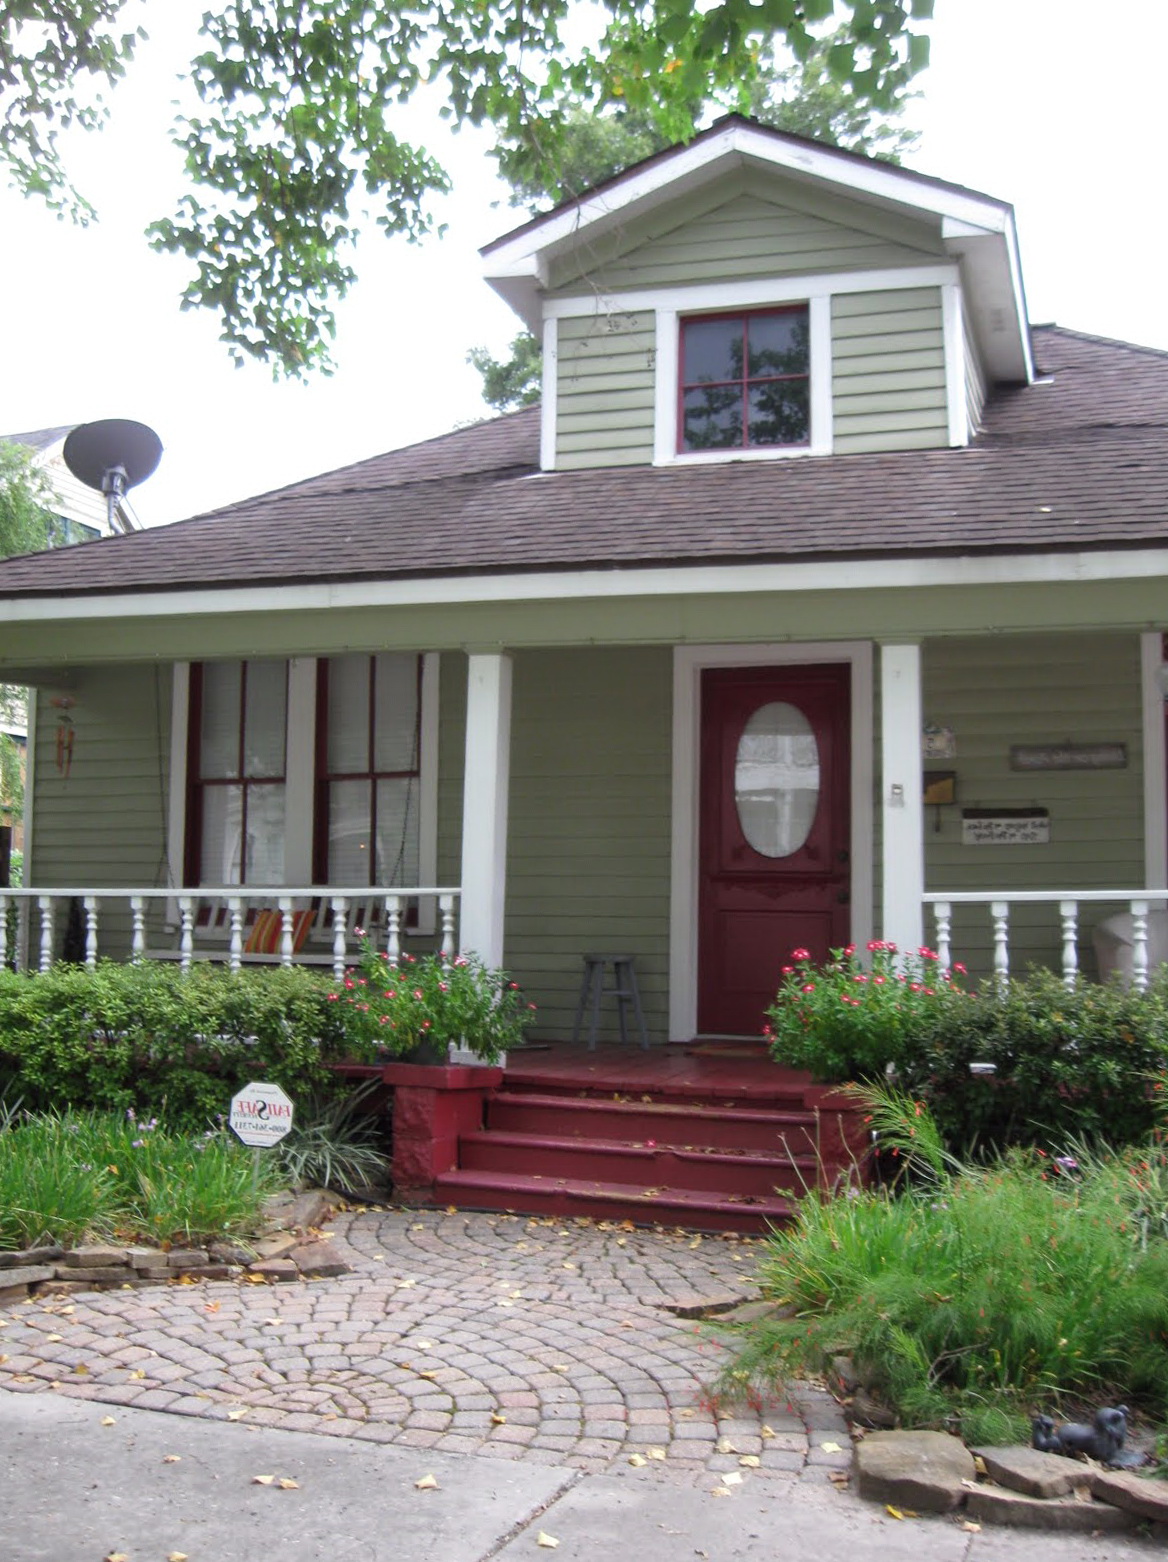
<point x="1102" y="1440"/>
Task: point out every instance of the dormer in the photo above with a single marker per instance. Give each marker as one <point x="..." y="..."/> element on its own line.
<point x="757" y="296"/>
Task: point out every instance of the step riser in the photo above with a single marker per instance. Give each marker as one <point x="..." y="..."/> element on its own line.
<point x="695" y="1096"/>
<point x="645" y="1212"/>
<point x="626" y="1124"/>
<point x="644" y="1168"/>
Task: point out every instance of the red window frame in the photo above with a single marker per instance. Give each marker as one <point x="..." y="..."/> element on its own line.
<point x="197" y="783"/>
<point x="745" y="381"/>
<point x="325" y="777"/>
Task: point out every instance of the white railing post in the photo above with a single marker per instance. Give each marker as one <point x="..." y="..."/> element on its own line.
<point x="23" y="933"/>
<point x="1000" y="911"/>
<point x="943" y="920"/>
<point x="186" y="938"/>
<point x="138" y="928"/>
<point x="287" y="943"/>
<point x="90" y="903"/>
<point x="3" y="931"/>
<point x="393" y="914"/>
<point x="446" y="911"/>
<point x="235" y="932"/>
<point x="1139" y="911"/>
<point x="1069" y="913"/>
<point x="340" y="909"/>
<point x="45" y="902"/>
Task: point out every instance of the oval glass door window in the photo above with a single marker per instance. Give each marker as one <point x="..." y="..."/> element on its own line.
<point x="776" y="779"/>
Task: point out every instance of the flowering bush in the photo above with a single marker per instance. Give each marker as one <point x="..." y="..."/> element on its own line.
<point x="844" y="1020"/>
<point x="396" y="1009"/>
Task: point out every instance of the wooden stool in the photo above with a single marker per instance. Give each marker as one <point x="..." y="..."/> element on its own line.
<point x="624" y="990"/>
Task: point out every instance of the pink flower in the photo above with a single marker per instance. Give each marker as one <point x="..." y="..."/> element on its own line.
<point x="425" y="1024"/>
<point x="349" y="982"/>
<point x="443" y="988"/>
<point x="788" y="970"/>
<point x="962" y="969"/>
<point x="418" y="992"/>
<point x="850" y="950"/>
<point x="358" y="932"/>
<point x="800" y="954"/>
<point x="860" y="976"/>
<point x="810" y="987"/>
<point x="332" y="997"/>
<point x="879" y="981"/>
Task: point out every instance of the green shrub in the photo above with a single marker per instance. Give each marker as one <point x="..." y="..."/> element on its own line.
<point x="170" y="1044"/>
<point x="979" y="1296"/>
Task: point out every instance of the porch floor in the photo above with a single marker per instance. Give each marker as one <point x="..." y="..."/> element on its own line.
<point x="739" y="1068"/>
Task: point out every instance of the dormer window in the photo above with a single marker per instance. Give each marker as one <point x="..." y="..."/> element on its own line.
<point x="745" y="381"/>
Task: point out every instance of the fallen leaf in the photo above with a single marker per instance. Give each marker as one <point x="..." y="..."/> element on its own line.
<point x="979" y="1465"/>
<point x="254" y="1279"/>
<point x="266" y="1320"/>
<point x="176" y="1556"/>
<point x="560" y="1366"/>
<point x="900" y="1513"/>
<point x="971" y="1528"/>
<point x="452" y="1209"/>
<point x="725" y="1446"/>
<point x="116" y="1556"/>
<point x="137" y="1373"/>
<point x="839" y="1477"/>
<point x="418" y="1227"/>
<point x="544" y="1539"/>
<point x="656" y="1453"/>
<point x="425" y="1344"/>
<point x="212" y="1307"/>
<point x="172" y="1458"/>
<point x="262" y="1480"/>
<point x="237" y="1415"/>
<point x="567" y="1265"/>
<point x="733" y="1479"/>
<point x="3" y="1359"/>
<point x="498" y="1420"/>
<point x="767" y="1431"/>
<point x="54" y="1339"/>
<point x="429" y="1373"/>
<point x="831" y="1448"/>
<point x="720" y="1491"/>
<point x="405" y="1285"/>
<point x="108" y="1421"/>
<point x="637" y="1460"/>
<point x="286" y="1483"/>
<point x="750" y="1461"/>
<point x="81" y="1367"/>
<point x="23" y="1377"/>
<point x="427" y="1483"/>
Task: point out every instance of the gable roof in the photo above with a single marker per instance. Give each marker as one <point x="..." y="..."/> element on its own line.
<point x="41" y="438"/>
<point x="1080" y="462"/>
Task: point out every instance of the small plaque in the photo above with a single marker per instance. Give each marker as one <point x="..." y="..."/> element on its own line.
<point x="938" y="742"/>
<point x="1068" y="756"/>
<point x="1005" y="827"/>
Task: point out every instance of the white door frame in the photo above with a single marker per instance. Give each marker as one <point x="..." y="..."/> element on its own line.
<point x="688" y="664"/>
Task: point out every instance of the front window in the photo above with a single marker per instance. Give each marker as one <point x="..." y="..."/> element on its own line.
<point x="745" y="381"/>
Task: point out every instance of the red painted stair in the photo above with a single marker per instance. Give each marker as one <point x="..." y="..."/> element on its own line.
<point x="697" y="1137"/>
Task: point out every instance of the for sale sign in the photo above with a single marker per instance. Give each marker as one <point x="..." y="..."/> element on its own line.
<point x="260" y="1114"/>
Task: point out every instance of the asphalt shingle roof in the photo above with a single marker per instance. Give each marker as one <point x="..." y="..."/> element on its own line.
<point x="1080" y="462"/>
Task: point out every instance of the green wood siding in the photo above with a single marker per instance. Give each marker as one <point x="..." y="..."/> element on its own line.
<point x="589" y="834"/>
<point x="604" y="390"/>
<point x="888" y="371"/>
<point x="1036" y="689"/>
<point x="105" y="822"/>
<point x="745" y="226"/>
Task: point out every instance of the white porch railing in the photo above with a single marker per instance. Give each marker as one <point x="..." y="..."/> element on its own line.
<point x="1139" y="903"/>
<point x="222" y="931"/>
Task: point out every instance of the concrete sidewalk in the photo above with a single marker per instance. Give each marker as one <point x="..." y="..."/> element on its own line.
<point x="153" y="1484"/>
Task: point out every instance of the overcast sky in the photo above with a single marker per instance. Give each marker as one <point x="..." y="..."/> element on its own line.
<point x="1055" y="105"/>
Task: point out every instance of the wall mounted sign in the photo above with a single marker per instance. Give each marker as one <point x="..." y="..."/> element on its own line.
<point x="1005" y="827"/>
<point x="1068" y="756"/>
<point x="938" y="742"/>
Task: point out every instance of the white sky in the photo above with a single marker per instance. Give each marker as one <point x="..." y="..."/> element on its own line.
<point x="1032" y="101"/>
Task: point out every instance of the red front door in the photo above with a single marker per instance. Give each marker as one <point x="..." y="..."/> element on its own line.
<point x="774" y="852"/>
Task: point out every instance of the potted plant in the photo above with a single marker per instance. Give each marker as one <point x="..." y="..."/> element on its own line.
<point x="415" y="1009"/>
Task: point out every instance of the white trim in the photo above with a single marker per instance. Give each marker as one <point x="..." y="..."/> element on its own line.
<point x="1155" y="761"/>
<point x="698" y="579"/>
<point x="300" y="770"/>
<point x="549" y="394"/>
<point x="953" y="335"/>
<point x="753" y="292"/>
<point x="902" y="796"/>
<point x="688" y="664"/>
<point x="666" y="367"/>
<point x="698" y="162"/>
<point x="822" y="382"/>
<point x="428" y="787"/>
<point x="487" y="775"/>
<point x="176" y="822"/>
<point x="30" y="769"/>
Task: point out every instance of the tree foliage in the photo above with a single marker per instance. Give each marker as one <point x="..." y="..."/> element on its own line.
<point x="26" y="520"/>
<point x="299" y="142"/>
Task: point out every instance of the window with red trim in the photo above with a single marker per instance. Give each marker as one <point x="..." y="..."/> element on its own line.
<point x="368" y="769"/>
<point x="238" y="730"/>
<point x="745" y="380"/>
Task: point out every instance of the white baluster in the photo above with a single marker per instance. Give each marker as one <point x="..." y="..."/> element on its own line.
<point x="1139" y="911"/>
<point x="235" y="934"/>
<point x="186" y="937"/>
<point x="23" y="931"/>
<point x="286" y="940"/>
<point x="446" y="908"/>
<point x="943" y="920"/>
<point x="45" y="902"/>
<point x="1000" y="911"/>
<point x="91" y="931"/>
<point x="4" y="903"/>
<point x="138" y="928"/>
<point x="1069" y="912"/>
<point x="393" y="914"/>
<point x="340" y="908"/>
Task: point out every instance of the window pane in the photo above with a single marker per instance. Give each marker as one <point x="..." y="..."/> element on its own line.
<point x="219" y="728"/>
<point x="780" y="413"/>
<point x="397" y="831"/>
<point x="265" y="834"/>
<point x="266" y="719"/>
<point x="776" y="779"/>
<point x="778" y="344"/>
<point x="349" y="830"/>
<point x="712" y="418"/>
<point x="395" y="709"/>
<point x="348" y="715"/>
<point x="219" y="860"/>
<point x="711" y="350"/>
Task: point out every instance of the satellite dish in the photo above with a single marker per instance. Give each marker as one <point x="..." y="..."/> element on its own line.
<point x="112" y="456"/>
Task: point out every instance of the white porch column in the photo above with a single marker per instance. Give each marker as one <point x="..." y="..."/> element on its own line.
<point x="484" y="805"/>
<point x="902" y="801"/>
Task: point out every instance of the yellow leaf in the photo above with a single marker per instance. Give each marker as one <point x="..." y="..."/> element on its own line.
<point x="768" y="1431"/>
<point x="544" y="1539"/>
<point x="425" y="1344"/>
<point x="733" y="1479"/>
<point x="720" y="1491"/>
<point x="176" y="1556"/>
<point x="656" y="1453"/>
<point x="286" y="1483"/>
<point x="137" y="1373"/>
<point x="108" y="1421"/>
<point x="893" y="1513"/>
<point x="637" y="1460"/>
<point x="54" y="1339"/>
<point x="971" y="1528"/>
<point x="81" y="1367"/>
<point x="831" y="1448"/>
<point x="750" y="1461"/>
<point x="172" y="1458"/>
<point x="427" y="1483"/>
<point x="3" y="1359"/>
<point x="560" y="1366"/>
<point x="452" y="1209"/>
<point x="237" y="1415"/>
<point x="498" y="1420"/>
<point x="116" y="1556"/>
<point x="262" y="1480"/>
<point x="725" y="1446"/>
<point x="429" y="1373"/>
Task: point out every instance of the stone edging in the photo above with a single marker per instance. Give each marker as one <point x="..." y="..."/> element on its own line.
<point x="289" y="1249"/>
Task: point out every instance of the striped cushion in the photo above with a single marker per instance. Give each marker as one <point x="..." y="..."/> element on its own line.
<point x="268" y="927"/>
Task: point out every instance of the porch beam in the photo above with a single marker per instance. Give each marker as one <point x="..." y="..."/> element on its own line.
<point x="484" y="808"/>
<point x="902" y="795"/>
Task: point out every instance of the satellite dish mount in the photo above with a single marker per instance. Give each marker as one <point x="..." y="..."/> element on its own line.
<point x="112" y="456"/>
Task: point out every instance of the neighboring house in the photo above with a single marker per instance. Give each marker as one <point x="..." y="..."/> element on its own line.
<point x="654" y="671"/>
<point x="82" y="513"/>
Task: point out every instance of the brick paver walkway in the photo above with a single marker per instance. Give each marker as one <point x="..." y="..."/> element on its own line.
<point x="541" y="1340"/>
